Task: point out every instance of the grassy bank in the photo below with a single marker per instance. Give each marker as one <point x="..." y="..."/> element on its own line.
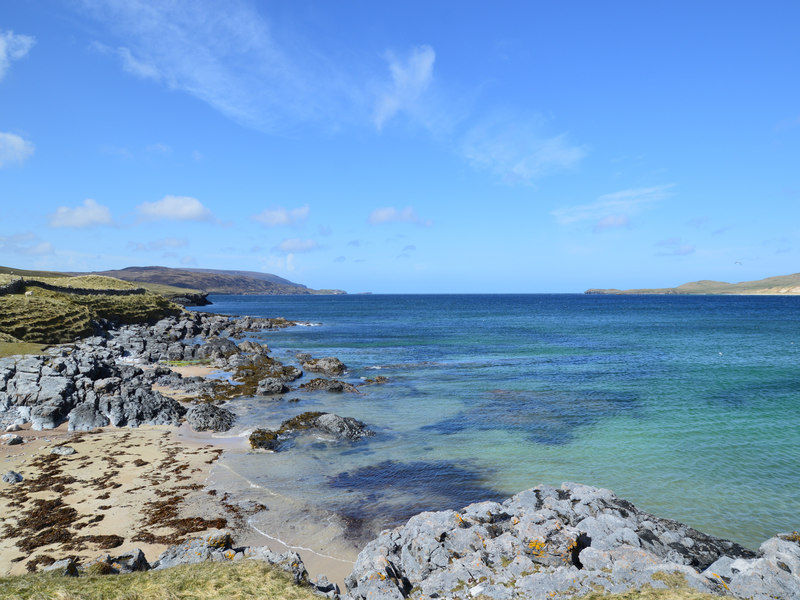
<point x="45" y="316"/>
<point x="206" y="581"/>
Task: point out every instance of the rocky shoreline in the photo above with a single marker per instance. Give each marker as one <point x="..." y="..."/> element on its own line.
<point x="542" y="543"/>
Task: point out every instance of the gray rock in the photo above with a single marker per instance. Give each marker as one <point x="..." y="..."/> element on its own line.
<point x="13" y="427"/>
<point x="215" y="546"/>
<point x="207" y="417"/>
<point x="86" y="417"/>
<point x="328" y="365"/>
<point x="270" y="386"/>
<point x="10" y="439"/>
<point x="328" y="385"/>
<point x="66" y="567"/>
<point x="217" y="347"/>
<point x="342" y="427"/>
<point x="140" y="406"/>
<point x="12" y="477"/>
<point x="63" y="450"/>
<point x="47" y="416"/>
<point x="129" y="562"/>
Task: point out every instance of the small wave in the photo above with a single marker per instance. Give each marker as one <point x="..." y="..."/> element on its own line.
<point x="292" y="547"/>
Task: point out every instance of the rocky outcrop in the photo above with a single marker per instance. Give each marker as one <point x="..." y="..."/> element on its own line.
<point x="341" y="428"/>
<point x="328" y="365"/>
<point x="563" y="543"/>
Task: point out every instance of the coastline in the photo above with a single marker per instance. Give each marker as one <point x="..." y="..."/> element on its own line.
<point x="143" y="486"/>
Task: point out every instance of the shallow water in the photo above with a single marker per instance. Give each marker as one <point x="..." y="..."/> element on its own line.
<point x="689" y="406"/>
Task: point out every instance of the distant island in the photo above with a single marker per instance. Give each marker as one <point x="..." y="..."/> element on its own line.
<point x="780" y="285"/>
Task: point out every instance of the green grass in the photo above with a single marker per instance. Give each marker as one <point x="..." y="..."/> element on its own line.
<point x="250" y="579"/>
<point x="186" y="363"/>
<point x="14" y="348"/>
<point x="48" y="317"/>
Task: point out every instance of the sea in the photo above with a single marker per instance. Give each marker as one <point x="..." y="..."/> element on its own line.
<point x="688" y="406"/>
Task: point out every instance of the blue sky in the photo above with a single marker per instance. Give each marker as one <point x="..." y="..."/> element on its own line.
<point x="404" y="146"/>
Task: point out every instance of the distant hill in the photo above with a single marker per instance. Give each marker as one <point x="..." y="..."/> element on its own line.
<point x="780" y="285"/>
<point x="214" y="281"/>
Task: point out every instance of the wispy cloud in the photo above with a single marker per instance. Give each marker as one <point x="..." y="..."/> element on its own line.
<point x="161" y="244"/>
<point x="273" y="217"/>
<point x="295" y="245"/>
<point x="14" y="149"/>
<point x="410" y="78"/>
<point x="175" y="208"/>
<point x="26" y="244"/>
<point x="13" y="46"/>
<point x="674" y="247"/>
<point x="390" y="214"/>
<point x="612" y="210"/>
<point x="90" y="214"/>
<point x="229" y="57"/>
<point x="517" y="149"/>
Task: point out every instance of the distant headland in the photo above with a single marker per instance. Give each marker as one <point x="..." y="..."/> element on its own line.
<point x="780" y="285"/>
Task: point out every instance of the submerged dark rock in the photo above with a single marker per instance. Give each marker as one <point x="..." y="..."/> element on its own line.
<point x="328" y="385"/>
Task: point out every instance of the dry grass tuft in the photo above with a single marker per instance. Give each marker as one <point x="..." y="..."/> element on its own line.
<point x="247" y="579"/>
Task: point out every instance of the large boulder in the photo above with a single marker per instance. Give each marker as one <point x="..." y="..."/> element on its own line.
<point x="208" y="417"/>
<point x="271" y="385"/>
<point x="136" y="406"/>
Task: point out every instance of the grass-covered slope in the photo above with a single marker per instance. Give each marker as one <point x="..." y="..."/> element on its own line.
<point x="51" y="309"/>
<point x="779" y="285"/>
<point x="249" y="579"/>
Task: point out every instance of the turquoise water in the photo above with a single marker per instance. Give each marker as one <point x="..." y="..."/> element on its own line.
<point x="689" y="406"/>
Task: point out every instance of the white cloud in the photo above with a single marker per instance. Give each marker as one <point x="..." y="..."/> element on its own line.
<point x="13" y="47"/>
<point x="231" y="57"/>
<point x="296" y="245"/>
<point x="26" y="244"/>
<point x="88" y="215"/>
<point x="674" y="247"/>
<point x="188" y="261"/>
<point x="273" y="217"/>
<point x="390" y="214"/>
<point x="14" y="149"/>
<point x="612" y="210"/>
<point x="515" y="149"/>
<point x="175" y="208"/>
<point x="410" y="79"/>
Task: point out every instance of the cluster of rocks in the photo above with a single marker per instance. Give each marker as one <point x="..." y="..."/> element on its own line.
<point x="109" y="379"/>
<point x="564" y="543"/>
<point x="216" y="546"/>
<point x="87" y="387"/>
<point x="319" y="423"/>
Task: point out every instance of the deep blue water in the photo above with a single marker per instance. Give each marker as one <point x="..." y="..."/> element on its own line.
<point x="689" y="406"/>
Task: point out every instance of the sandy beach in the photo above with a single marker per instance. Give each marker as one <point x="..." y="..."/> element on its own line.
<point x="123" y="488"/>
